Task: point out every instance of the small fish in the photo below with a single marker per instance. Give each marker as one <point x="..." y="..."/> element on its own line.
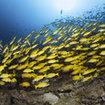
<point x="28" y="75"/>
<point x="16" y="52"/>
<point x="56" y="31"/>
<point x="13" y="80"/>
<point x="96" y="74"/>
<point x="34" y="46"/>
<point x="39" y="77"/>
<point x="46" y="41"/>
<point x="40" y="58"/>
<point x="52" y="61"/>
<point x="54" y="65"/>
<point x="8" y="61"/>
<point x="102" y="46"/>
<point x="93" y="60"/>
<point x="24" y="84"/>
<point x="23" y="59"/>
<point x="58" y="67"/>
<point x="77" y="77"/>
<point x="87" y="33"/>
<point x="75" y="34"/>
<point x="102" y="25"/>
<point x="75" y="72"/>
<point x="69" y="59"/>
<point x="27" y="42"/>
<point x="103" y="68"/>
<point x="54" y="55"/>
<point x="68" y="68"/>
<point x="4" y="60"/>
<point x="22" y="66"/>
<point x="39" y="66"/>
<point x="41" y="85"/>
<point x="37" y="36"/>
<point x="94" y="45"/>
<point x="6" y="79"/>
<point x="2" y="67"/>
<point x="86" y="78"/>
<point x="27" y="70"/>
<point x="89" y="71"/>
<point x="5" y="75"/>
<point x="102" y="53"/>
<point x="5" y="49"/>
<point x="28" y="50"/>
<point x="12" y="41"/>
<point x="44" y="69"/>
<point x="2" y="83"/>
<point x="34" y="53"/>
<point x="15" y="48"/>
<point x="19" y="41"/>
<point x="101" y="30"/>
<point x="31" y="64"/>
<point x="46" y="34"/>
<point x="92" y="53"/>
<point x="51" y="75"/>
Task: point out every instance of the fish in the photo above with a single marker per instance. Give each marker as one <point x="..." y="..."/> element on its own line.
<point x="6" y="79"/>
<point x="56" y="31"/>
<point x="28" y="75"/>
<point x="51" y="75"/>
<point x="33" y="54"/>
<point x="28" y="50"/>
<point x="5" y="75"/>
<point x="44" y="69"/>
<point x="37" y="78"/>
<point x="54" y="65"/>
<point x="102" y="53"/>
<point x="40" y="58"/>
<point x="102" y="46"/>
<point x="86" y="78"/>
<point x="12" y="41"/>
<point x="87" y="33"/>
<point x="94" y="45"/>
<point x="27" y="42"/>
<point x="75" y="72"/>
<point x="23" y="59"/>
<point x="5" y="49"/>
<point x="52" y="56"/>
<point x="27" y="70"/>
<point x="19" y="40"/>
<point x="2" y="67"/>
<point x="93" y="60"/>
<point x="77" y="77"/>
<point x="53" y="61"/>
<point x="58" y="67"/>
<point x="8" y="61"/>
<point x="13" y="80"/>
<point x="41" y="85"/>
<point x="39" y="66"/>
<point x="35" y="45"/>
<point x="22" y="66"/>
<point x="102" y="25"/>
<point x="89" y="71"/>
<point x="24" y="84"/>
<point x="92" y="53"/>
<point x="15" y="48"/>
<point x="101" y="30"/>
<point x="68" y="68"/>
<point x="2" y="83"/>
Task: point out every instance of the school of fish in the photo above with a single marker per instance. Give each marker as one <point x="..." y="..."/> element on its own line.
<point x="33" y="61"/>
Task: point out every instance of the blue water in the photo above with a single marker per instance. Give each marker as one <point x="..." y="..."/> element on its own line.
<point x="20" y="17"/>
